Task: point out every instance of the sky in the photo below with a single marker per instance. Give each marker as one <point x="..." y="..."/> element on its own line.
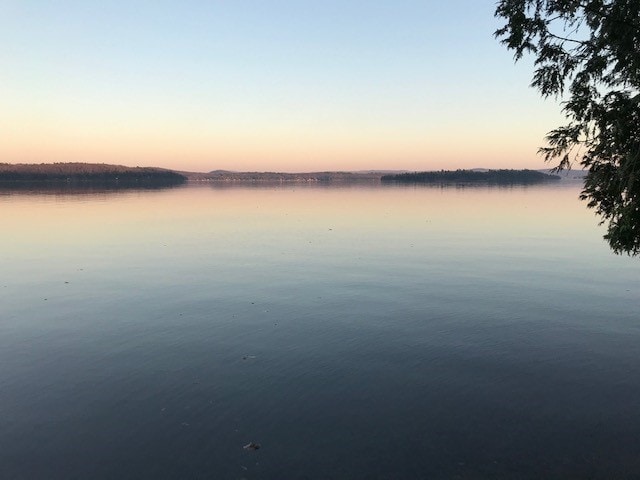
<point x="266" y="85"/>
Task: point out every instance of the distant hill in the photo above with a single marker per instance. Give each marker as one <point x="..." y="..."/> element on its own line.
<point x="82" y="174"/>
<point x="476" y="176"/>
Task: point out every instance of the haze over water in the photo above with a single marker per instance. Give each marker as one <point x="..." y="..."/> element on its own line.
<point x="354" y="333"/>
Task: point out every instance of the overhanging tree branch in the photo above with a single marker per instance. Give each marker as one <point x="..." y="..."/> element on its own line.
<point x="600" y="74"/>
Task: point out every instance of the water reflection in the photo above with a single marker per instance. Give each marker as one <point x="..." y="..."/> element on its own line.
<point x="353" y="332"/>
<point x="86" y="188"/>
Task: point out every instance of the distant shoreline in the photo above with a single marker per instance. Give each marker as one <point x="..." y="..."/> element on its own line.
<point x="83" y="175"/>
<point x="500" y="177"/>
<point x="282" y="177"/>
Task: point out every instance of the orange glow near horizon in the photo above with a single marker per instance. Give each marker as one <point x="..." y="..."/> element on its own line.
<point x="271" y="149"/>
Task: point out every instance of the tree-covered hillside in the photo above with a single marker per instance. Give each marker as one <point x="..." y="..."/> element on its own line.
<point x="87" y="173"/>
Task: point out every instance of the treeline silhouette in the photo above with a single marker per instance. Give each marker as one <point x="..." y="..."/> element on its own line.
<point x="82" y="174"/>
<point x="504" y="177"/>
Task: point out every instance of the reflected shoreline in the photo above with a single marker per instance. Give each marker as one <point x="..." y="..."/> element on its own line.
<point x="109" y="188"/>
<point x="378" y="185"/>
<point x="86" y="187"/>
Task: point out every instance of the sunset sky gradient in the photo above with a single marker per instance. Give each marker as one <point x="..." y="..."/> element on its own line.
<point x="265" y="85"/>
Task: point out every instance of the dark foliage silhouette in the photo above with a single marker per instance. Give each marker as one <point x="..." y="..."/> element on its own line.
<point x="587" y="53"/>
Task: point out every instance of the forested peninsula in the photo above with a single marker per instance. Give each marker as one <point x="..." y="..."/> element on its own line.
<point x="497" y="177"/>
<point x="86" y="175"/>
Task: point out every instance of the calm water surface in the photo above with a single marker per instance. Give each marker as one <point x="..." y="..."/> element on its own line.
<point x="355" y="333"/>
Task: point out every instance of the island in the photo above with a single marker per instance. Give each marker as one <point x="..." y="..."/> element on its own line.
<point x="72" y="175"/>
<point x="472" y="177"/>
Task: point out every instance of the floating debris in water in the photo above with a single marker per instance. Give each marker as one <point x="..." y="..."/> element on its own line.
<point x="251" y="446"/>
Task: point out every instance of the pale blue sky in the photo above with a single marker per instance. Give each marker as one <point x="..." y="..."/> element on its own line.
<point x="270" y="85"/>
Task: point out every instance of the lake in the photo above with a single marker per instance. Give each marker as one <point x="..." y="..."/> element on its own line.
<point x="353" y="332"/>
